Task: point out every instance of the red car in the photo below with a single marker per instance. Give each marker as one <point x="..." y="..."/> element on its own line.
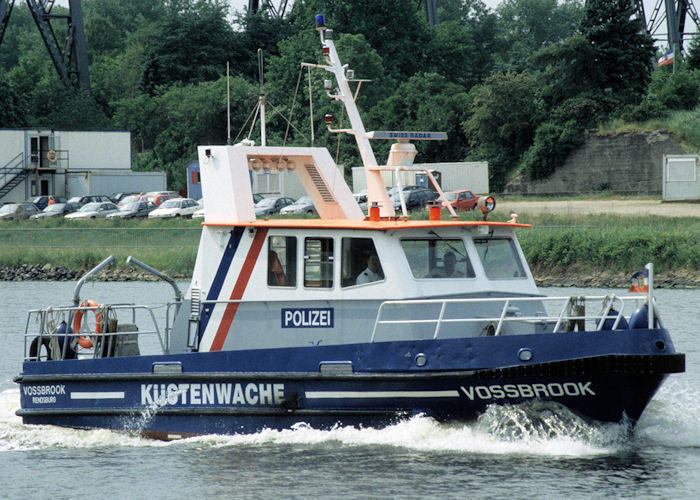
<point x="462" y="200"/>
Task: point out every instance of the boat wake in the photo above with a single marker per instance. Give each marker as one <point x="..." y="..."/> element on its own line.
<point x="673" y="416"/>
<point x="15" y="436"/>
<point x="500" y="431"/>
<point x="536" y="429"/>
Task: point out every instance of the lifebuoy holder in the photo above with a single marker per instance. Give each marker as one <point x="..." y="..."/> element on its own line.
<point x="89" y="305"/>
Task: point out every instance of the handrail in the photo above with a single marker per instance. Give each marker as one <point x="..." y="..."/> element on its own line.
<point x="12" y="168"/>
<point x="608" y="303"/>
<point x="47" y="327"/>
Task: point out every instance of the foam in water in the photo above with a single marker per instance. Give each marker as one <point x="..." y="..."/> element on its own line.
<point x="16" y="436"/>
<point x="673" y="416"/>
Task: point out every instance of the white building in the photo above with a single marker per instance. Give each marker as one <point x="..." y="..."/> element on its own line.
<point x="451" y="176"/>
<point x="36" y="162"/>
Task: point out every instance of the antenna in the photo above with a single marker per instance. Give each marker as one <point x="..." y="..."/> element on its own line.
<point x="228" y="105"/>
<point x="263" y="140"/>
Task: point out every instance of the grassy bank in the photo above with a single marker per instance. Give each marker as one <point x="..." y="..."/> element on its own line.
<point x="170" y="246"/>
<point x="560" y="244"/>
<point x="555" y="245"/>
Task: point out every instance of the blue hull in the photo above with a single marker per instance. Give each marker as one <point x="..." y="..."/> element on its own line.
<point x="601" y="375"/>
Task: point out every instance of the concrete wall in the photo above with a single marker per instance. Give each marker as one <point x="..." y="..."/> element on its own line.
<point x="624" y="163"/>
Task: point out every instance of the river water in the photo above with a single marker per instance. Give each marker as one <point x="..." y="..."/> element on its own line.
<point x="506" y="453"/>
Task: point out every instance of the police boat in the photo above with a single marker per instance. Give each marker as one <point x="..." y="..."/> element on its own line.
<point x="342" y="320"/>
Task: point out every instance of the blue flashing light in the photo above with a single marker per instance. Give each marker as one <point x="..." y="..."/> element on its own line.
<point x="320" y="22"/>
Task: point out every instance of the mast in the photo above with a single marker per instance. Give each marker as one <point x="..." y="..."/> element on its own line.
<point x="376" y="191"/>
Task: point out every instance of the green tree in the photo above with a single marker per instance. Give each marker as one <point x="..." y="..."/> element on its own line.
<point x="396" y="29"/>
<point x="260" y="31"/>
<point x="567" y="70"/>
<point x="167" y="128"/>
<point x="624" y="52"/>
<point x="505" y="114"/>
<point x="429" y="102"/>
<point x="13" y="106"/>
<point x="191" y="43"/>
<point x="55" y="106"/>
<point x="530" y="25"/>
<point x="109" y="23"/>
<point x="463" y="45"/>
<point x="20" y="34"/>
<point x="693" y="57"/>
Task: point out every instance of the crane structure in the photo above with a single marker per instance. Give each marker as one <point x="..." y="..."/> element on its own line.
<point x="676" y="13"/>
<point x="70" y="57"/>
<point x="256" y="6"/>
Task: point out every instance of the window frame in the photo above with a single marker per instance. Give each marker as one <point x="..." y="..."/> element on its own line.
<point x="432" y="251"/>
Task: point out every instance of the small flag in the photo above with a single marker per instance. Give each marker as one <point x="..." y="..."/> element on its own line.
<point x="667" y="58"/>
<point x="640" y="282"/>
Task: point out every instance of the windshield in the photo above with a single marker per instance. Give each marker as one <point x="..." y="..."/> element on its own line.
<point x="304" y="200"/>
<point x="499" y="258"/>
<point x="451" y="196"/>
<point x="170" y="204"/>
<point x="443" y="258"/>
<point x="56" y="207"/>
<point x="134" y="205"/>
<point x="266" y="202"/>
<point x="129" y="199"/>
<point x="90" y="207"/>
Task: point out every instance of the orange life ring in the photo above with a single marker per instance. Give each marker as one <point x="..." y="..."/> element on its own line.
<point x="78" y="320"/>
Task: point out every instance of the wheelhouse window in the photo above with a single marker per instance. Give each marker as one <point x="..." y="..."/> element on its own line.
<point x="499" y="258"/>
<point x="360" y="263"/>
<point x="318" y="262"/>
<point x="433" y="258"/>
<point x="282" y="261"/>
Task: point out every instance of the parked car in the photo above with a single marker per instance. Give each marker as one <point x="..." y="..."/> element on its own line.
<point x="133" y="210"/>
<point x="92" y="198"/>
<point x="17" y="211"/>
<point x="176" y="207"/>
<point x="131" y="198"/>
<point x="415" y="199"/>
<point x="303" y="205"/>
<point x="56" y="210"/>
<point x="395" y="190"/>
<point x="461" y="200"/>
<point x="272" y="205"/>
<point x="118" y="197"/>
<point x="199" y="214"/>
<point x="94" y="210"/>
<point x="42" y="202"/>
<point x="158" y="197"/>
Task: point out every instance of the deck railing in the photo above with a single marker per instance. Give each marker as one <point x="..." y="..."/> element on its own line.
<point x="610" y="312"/>
<point x="118" y="333"/>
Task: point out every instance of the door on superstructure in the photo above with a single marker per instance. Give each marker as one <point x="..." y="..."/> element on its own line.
<point x="38" y="147"/>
